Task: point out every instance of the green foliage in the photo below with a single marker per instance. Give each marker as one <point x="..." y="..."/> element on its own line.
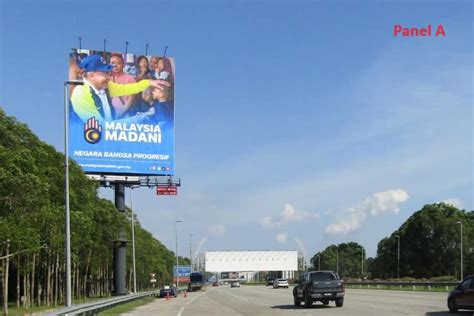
<point x="346" y="258"/>
<point x="429" y="248"/>
<point x="429" y="245"/>
<point x="32" y="217"/>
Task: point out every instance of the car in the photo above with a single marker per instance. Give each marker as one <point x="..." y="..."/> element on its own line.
<point x="323" y="286"/>
<point x="270" y="281"/>
<point x="462" y="296"/>
<point x="235" y="284"/>
<point x="168" y="290"/>
<point x="215" y="284"/>
<point x="277" y="283"/>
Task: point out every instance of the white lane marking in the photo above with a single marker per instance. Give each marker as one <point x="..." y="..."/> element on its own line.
<point x="182" y="308"/>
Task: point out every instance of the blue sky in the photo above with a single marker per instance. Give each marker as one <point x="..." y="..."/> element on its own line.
<point x="298" y="123"/>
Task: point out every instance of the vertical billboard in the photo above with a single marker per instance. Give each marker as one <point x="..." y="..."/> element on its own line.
<point x="121" y="115"/>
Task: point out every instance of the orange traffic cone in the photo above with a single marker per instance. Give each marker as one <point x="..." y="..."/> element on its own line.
<point x="185" y="295"/>
<point x="167" y="296"/>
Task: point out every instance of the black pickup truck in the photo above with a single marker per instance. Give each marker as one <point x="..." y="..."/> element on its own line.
<point x="323" y="286"/>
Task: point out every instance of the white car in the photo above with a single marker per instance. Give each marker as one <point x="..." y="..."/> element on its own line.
<point x="280" y="283"/>
<point x="235" y="284"/>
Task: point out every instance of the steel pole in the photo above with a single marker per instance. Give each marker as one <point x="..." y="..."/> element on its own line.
<point x="120" y="250"/>
<point x="177" y="263"/>
<point x="362" y="262"/>
<point x="462" y="272"/>
<point x="133" y="243"/>
<point x="66" y="189"/>
<point x="190" y="251"/>
<point x="398" y="257"/>
<point x="337" y="262"/>
<point x="462" y="257"/>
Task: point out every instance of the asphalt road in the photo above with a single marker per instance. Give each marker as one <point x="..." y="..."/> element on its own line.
<point x="259" y="300"/>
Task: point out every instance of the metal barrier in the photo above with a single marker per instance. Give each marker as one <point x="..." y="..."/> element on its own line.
<point x="414" y="285"/>
<point x="98" y="306"/>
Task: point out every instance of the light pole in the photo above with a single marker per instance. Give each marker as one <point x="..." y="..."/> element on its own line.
<point x="362" y="262"/>
<point x="337" y="261"/>
<point x="67" y="211"/>
<point x="398" y="257"/>
<point x="177" y="274"/>
<point x="190" y="251"/>
<point x="133" y="239"/>
<point x="462" y="274"/>
<point x="319" y="262"/>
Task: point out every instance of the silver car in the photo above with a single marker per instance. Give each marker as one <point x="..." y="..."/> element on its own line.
<point x="277" y="283"/>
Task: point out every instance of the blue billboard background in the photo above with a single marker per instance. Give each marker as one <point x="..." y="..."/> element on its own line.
<point x="183" y="271"/>
<point x="139" y="141"/>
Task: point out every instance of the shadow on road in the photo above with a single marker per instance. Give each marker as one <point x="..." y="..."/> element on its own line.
<point x="445" y="313"/>
<point x="287" y="307"/>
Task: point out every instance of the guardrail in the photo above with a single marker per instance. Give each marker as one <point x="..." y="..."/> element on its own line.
<point x="414" y="285"/>
<point x="98" y="306"/>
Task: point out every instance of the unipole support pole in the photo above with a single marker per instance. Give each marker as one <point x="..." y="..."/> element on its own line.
<point x="120" y="245"/>
<point x="66" y="196"/>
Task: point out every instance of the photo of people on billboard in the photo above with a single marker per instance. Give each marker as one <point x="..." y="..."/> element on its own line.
<point x="121" y="112"/>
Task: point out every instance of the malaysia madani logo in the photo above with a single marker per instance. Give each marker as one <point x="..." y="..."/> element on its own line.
<point x="92" y="131"/>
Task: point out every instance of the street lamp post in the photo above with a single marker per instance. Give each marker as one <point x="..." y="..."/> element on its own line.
<point x="319" y="262"/>
<point x="362" y="262"/>
<point x="67" y="210"/>
<point x="190" y="251"/>
<point x="337" y="261"/>
<point x="398" y="257"/>
<point x="462" y="272"/>
<point x="133" y="240"/>
<point x="177" y="274"/>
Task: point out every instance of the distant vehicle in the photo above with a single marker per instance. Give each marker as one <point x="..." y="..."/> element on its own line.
<point x="215" y="283"/>
<point x="462" y="296"/>
<point x="168" y="290"/>
<point x="235" y="284"/>
<point x="323" y="286"/>
<point x="195" y="281"/>
<point x="277" y="283"/>
<point x="270" y="281"/>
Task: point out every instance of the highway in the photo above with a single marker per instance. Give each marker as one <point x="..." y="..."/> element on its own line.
<point x="260" y="300"/>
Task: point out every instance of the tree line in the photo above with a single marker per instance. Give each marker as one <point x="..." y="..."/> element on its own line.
<point x="32" y="270"/>
<point x="430" y="247"/>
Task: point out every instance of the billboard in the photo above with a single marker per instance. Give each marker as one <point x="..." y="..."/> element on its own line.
<point x="121" y="118"/>
<point x="182" y="274"/>
<point x="182" y="271"/>
<point x="248" y="261"/>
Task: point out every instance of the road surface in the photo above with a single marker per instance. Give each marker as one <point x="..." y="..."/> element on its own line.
<point x="260" y="300"/>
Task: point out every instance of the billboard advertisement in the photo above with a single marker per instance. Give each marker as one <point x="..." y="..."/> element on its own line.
<point x="182" y="271"/>
<point x="121" y="114"/>
<point x="182" y="274"/>
<point x="247" y="261"/>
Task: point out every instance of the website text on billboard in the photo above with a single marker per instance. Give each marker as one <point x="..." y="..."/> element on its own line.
<point x="121" y="120"/>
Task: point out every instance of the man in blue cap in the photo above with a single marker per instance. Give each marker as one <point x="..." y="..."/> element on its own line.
<point x="93" y="98"/>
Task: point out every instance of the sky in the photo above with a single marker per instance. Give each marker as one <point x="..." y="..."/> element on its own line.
<point x="299" y="124"/>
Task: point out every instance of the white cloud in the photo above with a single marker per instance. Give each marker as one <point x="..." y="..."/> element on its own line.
<point x="454" y="202"/>
<point x="217" y="230"/>
<point x="379" y="203"/>
<point x="281" y="238"/>
<point x="347" y="225"/>
<point x="289" y="214"/>
<point x="268" y="222"/>
<point x="387" y="201"/>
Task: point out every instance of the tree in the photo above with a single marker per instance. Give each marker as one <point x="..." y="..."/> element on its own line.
<point x="430" y="244"/>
